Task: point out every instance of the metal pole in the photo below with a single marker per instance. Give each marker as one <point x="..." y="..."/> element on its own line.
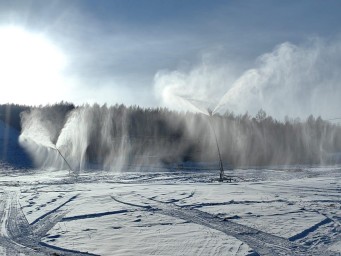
<point x="221" y="175"/>
<point x="70" y="169"/>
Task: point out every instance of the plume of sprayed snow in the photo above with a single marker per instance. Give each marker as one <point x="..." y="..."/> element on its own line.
<point x="118" y="138"/>
<point x="36" y="126"/>
<point x="195" y="90"/>
<point x="86" y="132"/>
<point x="40" y="130"/>
<point x="73" y="139"/>
<point x="291" y="80"/>
<point x="43" y="132"/>
<point x="102" y="138"/>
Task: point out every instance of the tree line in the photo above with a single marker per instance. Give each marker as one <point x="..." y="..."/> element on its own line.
<point x="145" y="135"/>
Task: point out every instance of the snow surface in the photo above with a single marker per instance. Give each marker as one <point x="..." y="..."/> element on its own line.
<point x="287" y="211"/>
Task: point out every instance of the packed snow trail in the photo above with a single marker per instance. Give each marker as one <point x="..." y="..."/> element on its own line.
<point x="8" y="244"/>
<point x="18" y="237"/>
<point x="261" y="242"/>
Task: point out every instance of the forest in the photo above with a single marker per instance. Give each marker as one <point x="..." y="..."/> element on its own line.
<point x="108" y="135"/>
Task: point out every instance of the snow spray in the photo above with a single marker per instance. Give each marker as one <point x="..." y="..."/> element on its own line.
<point x="200" y="107"/>
<point x="101" y="137"/>
<point x="38" y="135"/>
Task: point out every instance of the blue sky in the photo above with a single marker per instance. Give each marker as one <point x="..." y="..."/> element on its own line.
<point x="116" y="50"/>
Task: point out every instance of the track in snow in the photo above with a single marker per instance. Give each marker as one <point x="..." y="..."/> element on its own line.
<point x="18" y="237"/>
<point x="261" y="242"/>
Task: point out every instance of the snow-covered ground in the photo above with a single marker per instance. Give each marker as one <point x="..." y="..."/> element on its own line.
<point x="291" y="211"/>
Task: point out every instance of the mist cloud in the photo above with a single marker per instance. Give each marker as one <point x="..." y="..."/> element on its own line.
<point x="293" y="80"/>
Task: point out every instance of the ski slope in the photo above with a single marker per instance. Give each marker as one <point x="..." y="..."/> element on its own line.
<point x="288" y="211"/>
